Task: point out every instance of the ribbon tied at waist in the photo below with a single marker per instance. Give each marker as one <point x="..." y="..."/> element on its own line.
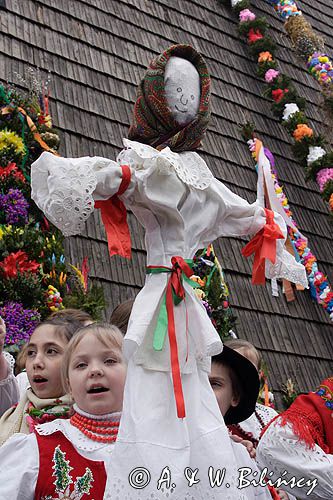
<point x="174" y="295"/>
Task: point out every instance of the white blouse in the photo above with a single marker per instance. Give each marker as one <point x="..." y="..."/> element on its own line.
<point x="280" y="450"/>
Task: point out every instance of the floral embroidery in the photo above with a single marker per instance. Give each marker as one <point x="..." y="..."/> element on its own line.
<point x="63" y="479"/>
<point x="325" y="392"/>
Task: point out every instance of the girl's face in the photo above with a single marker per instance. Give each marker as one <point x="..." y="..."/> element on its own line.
<point x="220" y="381"/>
<point x="44" y="357"/>
<point x="96" y="376"/>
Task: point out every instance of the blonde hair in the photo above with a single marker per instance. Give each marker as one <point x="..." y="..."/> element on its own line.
<point x="246" y="348"/>
<point x="108" y="335"/>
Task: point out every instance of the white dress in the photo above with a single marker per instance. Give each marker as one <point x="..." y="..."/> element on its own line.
<point x="280" y="450"/>
<point x="182" y="208"/>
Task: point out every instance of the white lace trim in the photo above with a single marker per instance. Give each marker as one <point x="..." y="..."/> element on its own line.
<point x="287" y="268"/>
<point x="189" y="167"/>
<point x="10" y="359"/>
<point x="76" y="437"/>
<point x="69" y="207"/>
<point x="118" y="489"/>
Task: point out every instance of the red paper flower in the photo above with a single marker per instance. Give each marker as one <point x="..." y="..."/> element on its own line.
<point x="18" y="262"/>
<point x="278" y="94"/>
<point x="13" y="170"/>
<point x="254" y="35"/>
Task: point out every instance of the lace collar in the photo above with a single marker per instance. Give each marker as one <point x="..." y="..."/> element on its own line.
<point x="189" y="166"/>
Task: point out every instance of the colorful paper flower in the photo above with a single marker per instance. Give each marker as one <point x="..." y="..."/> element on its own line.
<point x="323" y="176"/>
<point x="315" y="153"/>
<point x="9" y="139"/>
<point x="15" y="207"/>
<point x="331" y="202"/>
<point x="271" y="74"/>
<point x="265" y="57"/>
<point x="246" y="15"/>
<point x="11" y="171"/>
<point x="20" y="323"/>
<point x="278" y="94"/>
<point x="301" y="131"/>
<point x="254" y="35"/>
<point x="289" y="109"/>
<point x="18" y="262"/>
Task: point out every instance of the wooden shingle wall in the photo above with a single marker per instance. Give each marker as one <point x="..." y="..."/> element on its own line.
<point x="96" y="52"/>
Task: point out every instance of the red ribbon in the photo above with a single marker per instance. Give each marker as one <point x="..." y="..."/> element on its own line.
<point x="114" y="217"/>
<point x="175" y="293"/>
<point x="263" y="245"/>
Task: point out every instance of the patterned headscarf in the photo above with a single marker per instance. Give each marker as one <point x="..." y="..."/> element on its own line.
<point x="153" y="122"/>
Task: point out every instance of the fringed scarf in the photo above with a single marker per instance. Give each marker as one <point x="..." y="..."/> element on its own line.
<point x="31" y="411"/>
<point x="310" y="416"/>
<point x="153" y="122"/>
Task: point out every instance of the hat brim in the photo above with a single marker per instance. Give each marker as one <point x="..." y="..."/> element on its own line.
<point x="249" y="381"/>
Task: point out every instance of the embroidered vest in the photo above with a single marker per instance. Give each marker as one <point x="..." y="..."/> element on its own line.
<point x="63" y="471"/>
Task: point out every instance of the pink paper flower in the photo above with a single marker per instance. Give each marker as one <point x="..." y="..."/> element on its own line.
<point x="246" y="15"/>
<point x="323" y="176"/>
<point x="271" y="74"/>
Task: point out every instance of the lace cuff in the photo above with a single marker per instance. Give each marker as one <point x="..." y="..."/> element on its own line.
<point x="62" y="189"/>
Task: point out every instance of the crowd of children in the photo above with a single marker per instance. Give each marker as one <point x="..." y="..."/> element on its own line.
<point x="58" y="436"/>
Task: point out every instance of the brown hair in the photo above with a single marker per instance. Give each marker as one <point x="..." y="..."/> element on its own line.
<point x="108" y="334"/>
<point x="245" y="347"/>
<point x="21" y="360"/>
<point x="72" y="314"/>
<point x="121" y="314"/>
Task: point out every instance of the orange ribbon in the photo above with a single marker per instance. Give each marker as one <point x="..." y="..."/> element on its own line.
<point x="114" y="217"/>
<point x="175" y="293"/>
<point x="32" y="126"/>
<point x="263" y="245"/>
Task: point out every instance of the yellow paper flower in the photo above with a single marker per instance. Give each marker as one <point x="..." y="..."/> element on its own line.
<point x="11" y="139"/>
<point x="199" y="293"/>
<point x="301" y="131"/>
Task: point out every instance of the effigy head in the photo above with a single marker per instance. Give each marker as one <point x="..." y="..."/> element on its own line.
<point x="173" y="101"/>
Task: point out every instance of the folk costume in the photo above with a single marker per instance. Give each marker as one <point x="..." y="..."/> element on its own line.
<point x="63" y="459"/>
<point x="170" y="415"/>
<point x="300" y="441"/>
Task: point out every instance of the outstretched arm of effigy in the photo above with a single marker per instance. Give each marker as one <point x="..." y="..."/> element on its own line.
<point x="234" y="216"/>
<point x="65" y="189"/>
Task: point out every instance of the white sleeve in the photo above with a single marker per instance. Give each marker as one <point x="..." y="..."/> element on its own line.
<point x="234" y="216"/>
<point x="19" y="459"/>
<point x="280" y="450"/>
<point x="9" y="391"/>
<point x="65" y="188"/>
<point x="248" y="472"/>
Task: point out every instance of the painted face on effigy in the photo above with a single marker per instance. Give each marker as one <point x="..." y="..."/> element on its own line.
<point x="182" y="89"/>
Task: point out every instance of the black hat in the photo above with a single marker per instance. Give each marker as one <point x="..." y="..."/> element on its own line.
<point x="249" y="380"/>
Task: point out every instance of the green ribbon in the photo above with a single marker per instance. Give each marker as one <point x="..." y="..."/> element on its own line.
<point x="161" y="327"/>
